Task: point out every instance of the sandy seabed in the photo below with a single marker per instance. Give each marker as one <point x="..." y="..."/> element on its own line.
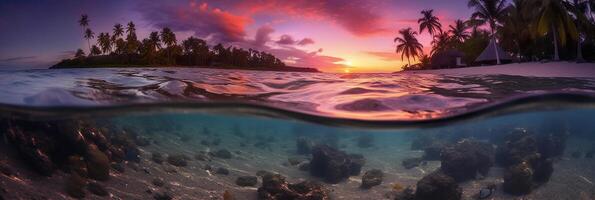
<point x="572" y="179"/>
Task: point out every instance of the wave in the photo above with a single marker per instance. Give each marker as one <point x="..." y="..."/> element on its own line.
<point x="517" y="104"/>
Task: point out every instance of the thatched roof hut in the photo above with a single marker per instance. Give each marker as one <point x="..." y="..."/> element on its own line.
<point x="489" y="54"/>
<point x="448" y="59"/>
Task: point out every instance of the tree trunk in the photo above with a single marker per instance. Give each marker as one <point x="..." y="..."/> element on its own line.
<point x="89" y="43"/>
<point x="556" y="53"/>
<point x="492" y="27"/>
<point x="579" y="52"/>
<point x="579" y="49"/>
<point x="496" y="48"/>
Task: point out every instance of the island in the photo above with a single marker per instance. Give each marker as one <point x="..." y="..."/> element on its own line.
<point x="161" y="49"/>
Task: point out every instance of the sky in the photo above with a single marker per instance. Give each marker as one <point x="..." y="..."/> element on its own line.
<point x="330" y="35"/>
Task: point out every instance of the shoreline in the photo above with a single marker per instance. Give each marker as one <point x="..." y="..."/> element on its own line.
<point x="283" y="69"/>
<point x="533" y="69"/>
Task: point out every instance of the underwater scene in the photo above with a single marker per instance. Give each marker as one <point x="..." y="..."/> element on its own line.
<point x="107" y="137"/>
<point x="297" y="100"/>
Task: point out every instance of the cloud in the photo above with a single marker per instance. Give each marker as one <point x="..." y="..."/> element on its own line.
<point x="18" y="59"/>
<point x="288" y="53"/>
<point x="360" y="18"/>
<point x="300" y="58"/>
<point x="213" y="23"/>
<point x="263" y="35"/>
<point x="216" y="25"/>
<point x="286" y="40"/>
<point x="305" y="41"/>
<point x="386" y="56"/>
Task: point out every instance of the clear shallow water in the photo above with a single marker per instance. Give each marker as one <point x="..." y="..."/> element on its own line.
<point x="51" y="127"/>
<point x="353" y="96"/>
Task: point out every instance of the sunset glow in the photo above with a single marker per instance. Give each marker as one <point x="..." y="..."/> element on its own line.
<point x="329" y="35"/>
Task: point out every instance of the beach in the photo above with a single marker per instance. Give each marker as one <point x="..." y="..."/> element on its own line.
<point x="533" y="69"/>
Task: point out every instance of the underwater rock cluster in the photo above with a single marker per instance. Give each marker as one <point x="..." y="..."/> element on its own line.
<point x="528" y="159"/>
<point x="274" y="186"/>
<point x="467" y="158"/>
<point x="334" y="165"/>
<point x="76" y="147"/>
<point x="372" y="178"/>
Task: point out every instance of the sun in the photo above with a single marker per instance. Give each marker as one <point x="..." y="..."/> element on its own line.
<point x="346" y="63"/>
<point x="346" y="70"/>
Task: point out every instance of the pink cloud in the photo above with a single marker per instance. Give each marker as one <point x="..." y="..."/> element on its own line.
<point x="356" y="16"/>
<point x="386" y="56"/>
<point x="305" y="41"/>
<point x="286" y="40"/>
<point x="203" y="20"/>
<point x="289" y="54"/>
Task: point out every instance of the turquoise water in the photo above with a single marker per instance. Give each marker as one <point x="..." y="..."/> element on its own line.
<point x="151" y="134"/>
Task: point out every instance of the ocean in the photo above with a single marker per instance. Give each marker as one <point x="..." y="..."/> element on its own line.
<point x="180" y="133"/>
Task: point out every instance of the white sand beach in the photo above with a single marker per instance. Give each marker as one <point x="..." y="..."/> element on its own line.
<point x="552" y="69"/>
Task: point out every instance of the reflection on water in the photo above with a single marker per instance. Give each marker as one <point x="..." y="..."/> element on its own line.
<point x="186" y="151"/>
<point x="361" y="96"/>
<point x="189" y="155"/>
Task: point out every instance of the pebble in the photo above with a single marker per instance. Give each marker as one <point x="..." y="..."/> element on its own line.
<point x="97" y="189"/>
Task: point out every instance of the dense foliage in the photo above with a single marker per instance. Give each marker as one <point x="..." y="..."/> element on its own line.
<point x="123" y="48"/>
<point x="528" y="30"/>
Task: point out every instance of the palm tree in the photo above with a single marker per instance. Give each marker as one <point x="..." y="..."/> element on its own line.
<point x="84" y="21"/>
<point x="131" y="28"/>
<point x="155" y="41"/>
<point x="118" y="31"/>
<point x="429" y="22"/>
<point x="425" y="61"/>
<point x="441" y="42"/>
<point x="89" y="35"/>
<point x="80" y="54"/>
<point x="95" y="50"/>
<point x="132" y="43"/>
<point x="489" y="12"/>
<point x="169" y="39"/>
<point x="459" y="31"/>
<point x="105" y="42"/>
<point x="580" y="10"/>
<point x="408" y="45"/>
<point x="553" y="15"/>
<point x="516" y="27"/>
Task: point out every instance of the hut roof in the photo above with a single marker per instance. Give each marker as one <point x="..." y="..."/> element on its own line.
<point x="489" y="54"/>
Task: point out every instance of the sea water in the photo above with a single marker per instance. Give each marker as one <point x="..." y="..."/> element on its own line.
<point x="196" y="134"/>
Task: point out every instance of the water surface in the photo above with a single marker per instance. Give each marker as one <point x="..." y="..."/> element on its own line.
<point x="192" y="133"/>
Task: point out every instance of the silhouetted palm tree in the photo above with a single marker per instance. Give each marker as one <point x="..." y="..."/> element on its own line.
<point x="408" y="45"/>
<point x="132" y="43"/>
<point x="155" y="41"/>
<point x="429" y="22"/>
<point x="517" y="27"/>
<point x="105" y="42"/>
<point x="553" y="15"/>
<point x="169" y="39"/>
<point x="118" y="31"/>
<point x="89" y="35"/>
<point x="131" y="28"/>
<point x="84" y="22"/>
<point x="580" y="10"/>
<point x="95" y="50"/>
<point x="489" y="12"/>
<point x="459" y="31"/>
<point x="80" y="54"/>
<point x="441" y="42"/>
